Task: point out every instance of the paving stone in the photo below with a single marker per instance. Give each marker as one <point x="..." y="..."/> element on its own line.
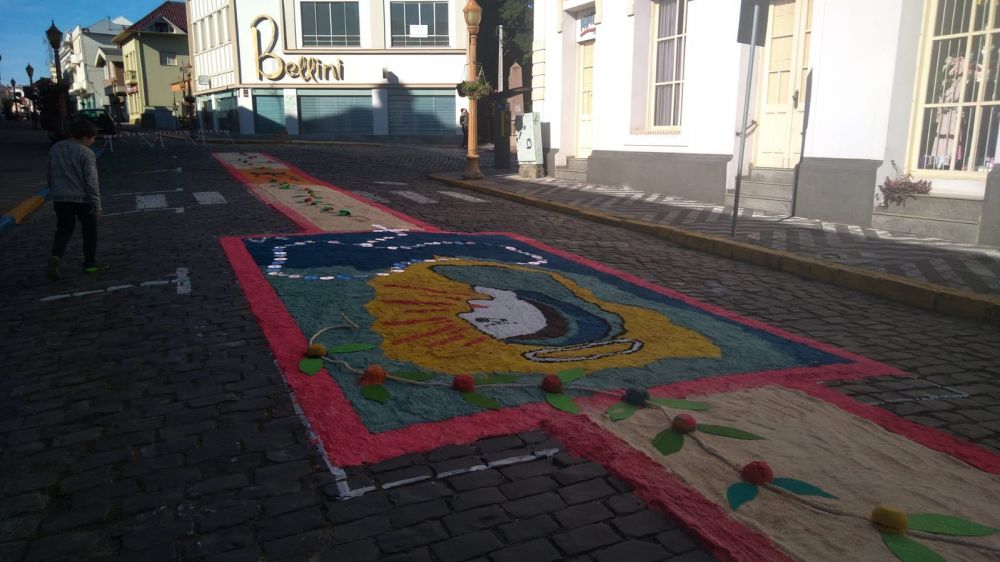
<point x="450" y="452"/>
<point x="229" y="517"/>
<point x="585" y="514"/>
<point x="535" y="505"/>
<point x="443" y="469"/>
<point x="475" y="519"/>
<point x="361" y="528"/>
<point x="503" y="443"/>
<point x="405" y="474"/>
<point x="524" y="530"/>
<point x="579" y="473"/>
<point x="526" y="470"/>
<point x="359" y="551"/>
<point x="424" y="491"/>
<point x="677" y="541"/>
<point x="642" y="524"/>
<point x="476" y="498"/>
<point x="289" y="502"/>
<point x="633" y="551"/>
<point x="587" y="538"/>
<point x="418" y="555"/>
<point x="271" y="528"/>
<point x="623" y="504"/>
<point x="25" y="503"/>
<point x="232" y="481"/>
<point x="401" y="540"/>
<point x="539" y="550"/>
<point x="296" y="546"/>
<point x="473" y="480"/>
<point x="586" y="491"/>
<point x="522" y="488"/>
<point x="467" y="546"/>
<point x="415" y="513"/>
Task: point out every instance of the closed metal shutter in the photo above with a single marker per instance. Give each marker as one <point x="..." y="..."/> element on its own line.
<point x="336" y="113"/>
<point x="422" y="112"/>
<point x="269" y="113"/>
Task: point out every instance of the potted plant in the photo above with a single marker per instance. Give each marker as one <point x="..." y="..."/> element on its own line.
<point x="474" y="89"/>
<point x="903" y="187"/>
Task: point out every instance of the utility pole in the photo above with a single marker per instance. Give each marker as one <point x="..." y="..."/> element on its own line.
<point x="500" y="65"/>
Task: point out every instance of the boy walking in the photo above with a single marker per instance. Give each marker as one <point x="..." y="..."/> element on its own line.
<point x="75" y="194"/>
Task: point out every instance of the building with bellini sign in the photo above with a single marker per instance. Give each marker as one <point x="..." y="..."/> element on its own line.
<point x="361" y="69"/>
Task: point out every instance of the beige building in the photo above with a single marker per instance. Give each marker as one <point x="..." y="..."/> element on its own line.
<point x="154" y="56"/>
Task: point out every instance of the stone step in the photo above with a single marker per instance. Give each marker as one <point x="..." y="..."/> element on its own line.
<point x="936" y="207"/>
<point x="577" y="164"/>
<point x="768" y="204"/>
<point x="959" y="231"/>
<point x="754" y="188"/>
<point x="773" y="175"/>
<point x="568" y="174"/>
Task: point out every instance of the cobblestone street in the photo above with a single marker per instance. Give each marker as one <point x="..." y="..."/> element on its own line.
<point x="144" y="418"/>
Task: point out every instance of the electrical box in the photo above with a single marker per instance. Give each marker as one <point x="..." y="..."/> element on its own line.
<point x="529" y="139"/>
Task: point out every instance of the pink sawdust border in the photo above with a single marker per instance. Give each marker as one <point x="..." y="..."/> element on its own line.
<point x="300" y="220"/>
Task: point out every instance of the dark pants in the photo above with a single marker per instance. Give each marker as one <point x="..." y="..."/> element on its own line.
<point x="465" y="137"/>
<point x="66" y="216"/>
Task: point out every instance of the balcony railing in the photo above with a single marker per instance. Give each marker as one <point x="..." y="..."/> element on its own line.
<point x="131" y="77"/>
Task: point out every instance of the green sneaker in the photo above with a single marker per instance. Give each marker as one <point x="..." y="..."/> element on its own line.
<point x="95" y="268"/>
<point x="52" y="271"/>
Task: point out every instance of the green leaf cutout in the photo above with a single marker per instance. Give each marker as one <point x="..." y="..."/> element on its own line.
<point x="571" y="375"/>
<point x="621" y="411"/>
<point x="560" y="401"/>
<point x="415" y="376"/>
<point x="740" y="493"/>
<point x="310" y="365"/>
<point x="350" y="348"/>
<point x="726" y="431"/>
<point x="668" y="441"/>
<point x="680" y="404"/>
<point x="801" y="488"/>
<point x="481" y="400"/>
<point x="909" y="550"/>
<point x="947" y="525"/>
<point x="375" y="392"/>
<point x="499" y="378"/>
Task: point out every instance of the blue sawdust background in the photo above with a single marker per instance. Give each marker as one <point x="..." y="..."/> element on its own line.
<point x="315" y="304"/>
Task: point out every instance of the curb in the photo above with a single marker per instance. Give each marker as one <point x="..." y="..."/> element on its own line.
<point x="937" y="298"/>
<point x="16" y="216"/>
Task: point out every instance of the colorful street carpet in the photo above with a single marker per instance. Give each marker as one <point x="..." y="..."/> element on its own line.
<point x="397" y="340"/>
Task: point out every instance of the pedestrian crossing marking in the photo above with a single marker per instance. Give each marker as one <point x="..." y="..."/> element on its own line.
<point x="415" y="197"/>
<point x="209" y="198"/>
<point x="157" y="201"/>
<point x="462" y="196"/>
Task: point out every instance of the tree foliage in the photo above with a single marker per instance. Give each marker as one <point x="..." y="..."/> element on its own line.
<point x="516" y="17"/>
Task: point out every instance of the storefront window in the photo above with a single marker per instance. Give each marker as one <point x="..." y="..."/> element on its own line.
<point x="419" y="24"/>
<point x="960" y="107"/>
<point x="668" y="79"/>
<point x="330" y="24"/>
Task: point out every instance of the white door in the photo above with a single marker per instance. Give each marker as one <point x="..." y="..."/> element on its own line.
<point x="585" y="103"/>
<point x="785" y="66"/>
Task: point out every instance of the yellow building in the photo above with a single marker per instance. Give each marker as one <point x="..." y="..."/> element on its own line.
<point x="155" y="54"/>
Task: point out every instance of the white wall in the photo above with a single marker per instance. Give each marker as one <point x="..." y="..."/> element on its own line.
<point x="217" y="63"/>
<point x="853" y="58"/>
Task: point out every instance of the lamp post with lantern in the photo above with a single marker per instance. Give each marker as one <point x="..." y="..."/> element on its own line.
<point x="54" y="35"/>
<point x="473" y="15"/>
<point x="30" y="71"/>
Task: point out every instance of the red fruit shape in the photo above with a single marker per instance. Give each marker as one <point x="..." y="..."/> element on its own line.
<point x="684" y="423"/>
<point x="758" y="473"/>
<point x="552" y="383"/>
<point x="373" y="374"/>
<point x="463" y="383"/>
<point x="309" y="199"/>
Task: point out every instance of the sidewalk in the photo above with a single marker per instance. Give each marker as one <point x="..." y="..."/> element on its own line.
<point x="951" y="277"/>
<point x="23" y="155"/>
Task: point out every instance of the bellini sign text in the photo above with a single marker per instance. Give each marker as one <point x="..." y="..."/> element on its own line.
<point x="274" y="68"/>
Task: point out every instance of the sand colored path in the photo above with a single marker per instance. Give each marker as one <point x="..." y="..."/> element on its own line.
<point x="849" y="457"/>
<point x="314" y="205"/>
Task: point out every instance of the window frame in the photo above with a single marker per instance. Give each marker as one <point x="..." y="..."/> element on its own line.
<point x="165" y="58"/>
<point x="363" y="17"/>
<point x="978" y="105"/>
<point x="680" y="55"/>
<point x="449" y="12"/>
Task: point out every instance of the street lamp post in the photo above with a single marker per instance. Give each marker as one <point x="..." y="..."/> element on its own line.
<point x="473" y="15"/>
<point x="30" y="70"/>
<point x="55" y="40"/>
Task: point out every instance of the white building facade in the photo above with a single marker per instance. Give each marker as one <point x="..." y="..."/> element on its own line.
<point x="368" y="69"/>
<point x="78" y="58"/>
<point x="650" y="93"/>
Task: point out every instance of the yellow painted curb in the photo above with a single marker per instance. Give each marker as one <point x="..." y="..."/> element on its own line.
<point x="25" y="208"/>
<point x="945" y="300"/>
